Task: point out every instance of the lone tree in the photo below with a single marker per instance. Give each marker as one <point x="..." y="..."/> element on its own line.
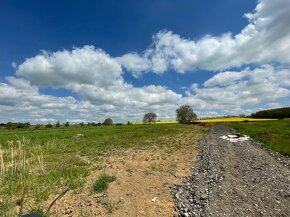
<point x="185" y="114"/>
<point x="149" y="117"/>
<point x="57" y="124"/>
<point x="108" y="121"/>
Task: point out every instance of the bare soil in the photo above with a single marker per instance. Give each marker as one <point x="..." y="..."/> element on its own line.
<point x="235" y="179"/>
<point x="142" y="187"/>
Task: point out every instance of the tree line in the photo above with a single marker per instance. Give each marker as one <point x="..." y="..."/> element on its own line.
<point x="273" y="113"/>
<point x="184" y="114"/>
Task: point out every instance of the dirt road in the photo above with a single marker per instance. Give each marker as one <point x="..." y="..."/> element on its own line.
<point x="235" y="179"/>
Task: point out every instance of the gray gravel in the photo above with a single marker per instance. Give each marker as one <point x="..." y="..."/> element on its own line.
<point x="235" y="179"/>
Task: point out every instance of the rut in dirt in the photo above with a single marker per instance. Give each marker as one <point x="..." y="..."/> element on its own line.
<point x="235" y="179"/>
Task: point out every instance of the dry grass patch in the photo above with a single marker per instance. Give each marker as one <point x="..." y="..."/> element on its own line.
<point x="143" y="180"/>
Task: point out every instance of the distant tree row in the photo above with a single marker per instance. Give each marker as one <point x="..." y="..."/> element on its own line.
<point x="273" y="113"/>
<point x="15" y="125"/>
<point x="184" y="114"/>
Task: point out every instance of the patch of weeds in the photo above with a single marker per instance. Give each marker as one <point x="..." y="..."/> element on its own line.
<point x="156" y="167"/>
<point x="77" y="184"/>
<point x="130" y="172"/>
<point x="41" y="196"/>
<point x="71" y="173"/>
<point x="147" y="173"/>
<point x="173" y="166"/>
<point x="111" y="206"/>
<point x="7" y="208"/>
<point x="102" y="183"/>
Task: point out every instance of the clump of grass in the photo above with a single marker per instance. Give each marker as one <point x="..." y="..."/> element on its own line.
<point x="102" y="183"/>
<point x="156" y="167"/>
<point x="130" y="172"/>
<point x="111" y="206"/>
<point x="17" y="165"/>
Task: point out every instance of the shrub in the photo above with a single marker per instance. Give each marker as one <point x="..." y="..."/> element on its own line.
<point x="49" y="125"/>
<point x="57" y="124"/>
<point x="37" y="126"/>
<point x="102" y="183"/>
<point x="108" y="121"/>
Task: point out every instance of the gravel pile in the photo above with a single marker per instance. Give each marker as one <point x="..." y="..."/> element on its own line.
<point x="235" y="179"/>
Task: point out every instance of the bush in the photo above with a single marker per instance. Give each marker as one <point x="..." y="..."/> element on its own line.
<point x="57" y="124"/>
<point x="102" y="183"/>
<point x="108" y="121"/>
<point x="48" y="125"/>
<point x="37" y="126"/>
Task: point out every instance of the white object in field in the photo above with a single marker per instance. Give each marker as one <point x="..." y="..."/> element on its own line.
<point x="154" y="199"/>
<point x="235" y="137"/>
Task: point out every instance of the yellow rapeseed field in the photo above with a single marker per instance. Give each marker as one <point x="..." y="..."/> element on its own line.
<point x="159" y="122"/>
<point x="213" y="120"/>
<point x="233" y="120"/>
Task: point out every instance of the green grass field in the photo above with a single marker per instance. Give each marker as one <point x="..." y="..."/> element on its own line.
<point x="274" y="134"/>
<point x="37" y="163"/>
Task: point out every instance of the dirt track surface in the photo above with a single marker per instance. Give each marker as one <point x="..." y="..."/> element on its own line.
<point x="235" y="179"/>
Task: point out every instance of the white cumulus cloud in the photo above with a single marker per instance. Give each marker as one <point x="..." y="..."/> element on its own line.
<point x="265" y="39"/>
<point x="86" y="65"/>
<point x="234" y="91"/>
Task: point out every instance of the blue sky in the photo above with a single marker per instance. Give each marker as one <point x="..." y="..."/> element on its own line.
<point x="85" y="61"/>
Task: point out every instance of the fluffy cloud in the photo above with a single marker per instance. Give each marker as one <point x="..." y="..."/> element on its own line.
<point x="264" y="40"/>
<point x="228" y="92"/>
<point x="19" y="99"/>
<point x="135" y="63"/>
<point x="25" y="102"/>
<point x="86" y="65"/>
<point x="93" y="75"/>
<point x="234" y="91"/>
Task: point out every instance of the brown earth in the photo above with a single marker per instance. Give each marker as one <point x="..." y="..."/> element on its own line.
<point x="142" y="187"/>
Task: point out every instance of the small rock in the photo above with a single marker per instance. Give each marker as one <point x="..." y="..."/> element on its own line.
<point x="68" y="211"/>
<point x="203" y="196"/>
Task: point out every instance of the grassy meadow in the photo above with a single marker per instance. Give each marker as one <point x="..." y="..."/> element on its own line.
<point x="274" y="134"/>
<point x="38" y="163"/>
